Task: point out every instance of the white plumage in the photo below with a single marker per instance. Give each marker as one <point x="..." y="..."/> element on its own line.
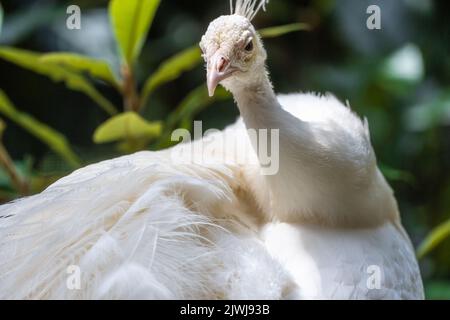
<point x="142" y="226"/>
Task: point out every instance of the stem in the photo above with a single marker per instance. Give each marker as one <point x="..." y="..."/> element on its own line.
<point x="5" y="161"/>
<point x="130" y="95"/>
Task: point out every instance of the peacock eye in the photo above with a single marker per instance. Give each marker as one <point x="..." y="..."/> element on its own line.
<point x="249" y="46"/>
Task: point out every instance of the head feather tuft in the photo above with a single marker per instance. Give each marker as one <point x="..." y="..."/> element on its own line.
<point x="247" y="8"/>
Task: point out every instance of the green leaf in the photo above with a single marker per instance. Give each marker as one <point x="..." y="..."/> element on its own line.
<point x="74" y="81"/>
<point x="394" y="174"/>
<point x="131" y="20"/>
<point x="436" y="236"/>
<point x="171" y="69"/>
<point x="197" y="100"/>
<point x="55" y="140"/>
<point x="278" y="31"/>
<point x="95" y="67"/>
<point x="126" y="126"/>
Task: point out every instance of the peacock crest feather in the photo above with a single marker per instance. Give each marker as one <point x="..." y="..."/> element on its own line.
<point x="248" y="8"/>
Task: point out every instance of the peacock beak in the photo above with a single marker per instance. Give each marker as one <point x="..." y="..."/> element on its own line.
<point x="219" y="69"/>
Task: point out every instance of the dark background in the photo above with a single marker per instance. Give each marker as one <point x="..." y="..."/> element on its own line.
<point x="398" y="77"/>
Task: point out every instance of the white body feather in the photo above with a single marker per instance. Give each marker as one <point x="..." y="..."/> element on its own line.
<point x="142" y="227"/>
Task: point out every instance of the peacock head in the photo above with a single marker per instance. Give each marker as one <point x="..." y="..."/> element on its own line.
<point x="232" y="49"/>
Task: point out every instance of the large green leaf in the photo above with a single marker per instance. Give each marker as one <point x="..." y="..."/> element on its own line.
<point x="126" y="126"/>
<point x="131" y="20"/>
<point x="273" y="32"/>
<point x="55" y="140"/>
<point x="171" y="69"/>
<point x="436" y="236"/>
<point x="74" y="81"/>
<point x="97" y="68"/>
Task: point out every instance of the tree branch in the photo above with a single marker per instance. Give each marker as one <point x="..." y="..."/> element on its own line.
<point x="5" y="161"/>
<point x="130" y="95"/>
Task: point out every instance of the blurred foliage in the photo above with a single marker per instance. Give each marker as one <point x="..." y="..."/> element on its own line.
<point x="56" y="141"/>
<point x="131" y="21"/>
<point x="274" y="32"/>
<point x="128" y="126"/>
<point x="398" y="77"/>
<point x="1" y="17"/>
<point x="72" y="80"/>
<point x="436" y="236"/>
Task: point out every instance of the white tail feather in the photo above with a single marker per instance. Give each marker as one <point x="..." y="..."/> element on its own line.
<point x="148" y="233"/>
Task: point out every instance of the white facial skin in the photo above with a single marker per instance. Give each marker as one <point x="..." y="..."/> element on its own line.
<point x="233" y="52"/>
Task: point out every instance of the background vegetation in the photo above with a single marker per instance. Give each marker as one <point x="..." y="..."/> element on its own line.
<point x="100" y="94"/>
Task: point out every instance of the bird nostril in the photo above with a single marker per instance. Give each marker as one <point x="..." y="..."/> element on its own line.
<point x="222" y="64"/>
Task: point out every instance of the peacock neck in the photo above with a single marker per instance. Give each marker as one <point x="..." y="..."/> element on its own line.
<point x="257" y="102"/>
<point x="265" y="119"/>
<point x="313" y="166"/>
